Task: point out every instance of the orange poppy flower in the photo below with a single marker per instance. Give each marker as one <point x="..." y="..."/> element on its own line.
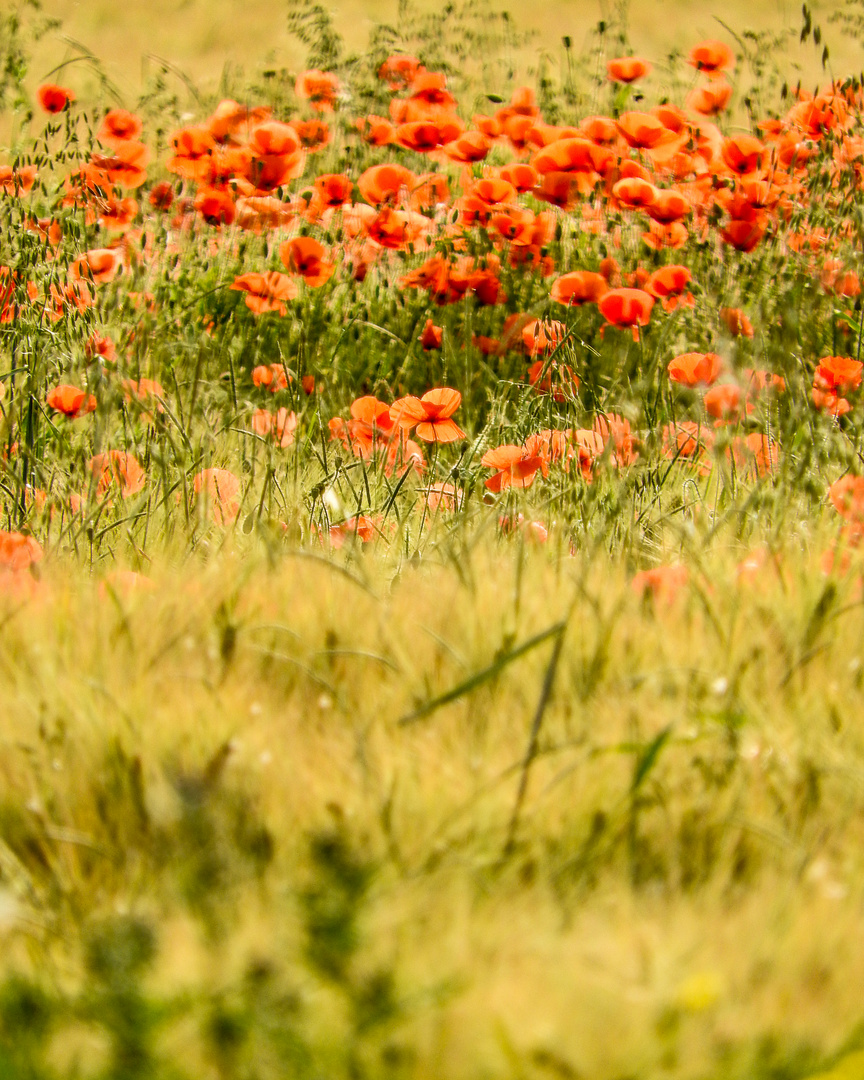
<point x="580" y="158"/>
<point x="101" y="347"/>
<point x="539" y="335"/>
<point x="627" y="69"/>
<point x="370" y="426"/>
<point x="695" y="369"/>
<point x="161" y="195"/>
<point x="710" y="100"/>
<point x="53" y="98"/>
<point x="266" y="292"/>
<point x="396" y="229"/>
<point x="847" y="497"/>
<point x="70" y="401"/>
<point x="220" y="490"/>
<point x="68" y="299"/>
<point x="319" y="88"/>
<point x="669" y="206"/>
<point x="617" y="428"/>
<point x="375" y="130"/>
<point x="443" y="496"/>
<point x="118" y="213"/>
<point x="362" y="526"/>
<point x="711" y="56"/>
<point x="560" y="380"/>
<point x="642" y="130"/>
<point x="120" y="468"/>
<point x="515" y="466"/>
<point x="17" y="181"/>
<point x="627" y="307"/>
<point x="399" y="71"/>
<point x="277" y="155"/>
<point x="98" y="265"/>
<point x="313" y="134"/>
<point x="686" y="439"/>
<point x="579" y="287"/>
<point x="280" y="425"/>
<point x="743" y="154"/>
<point x="19" y="552"/>
<point x="634" y="192"/>
<point x="127" y="167"/>
<point x="723" y="402"/>
<point x="193" y="148"/>
<point x="215" y="206"/>
<point x="521" y="175"/>
<point x="757" y="452"/>
<point x="838" y="373"/>
<point x="468" y="147"/>
<point x="736" y="322"/>
<point x="431" y="413"/>
<point x="331" y="190"/>
<point x="304" y="255"/>
<point x="270" y="375"/>
<point x="662" y="583"/>
<point x="744" y="235"/>
<point x="831" y="401"/>
<point x="384" y="183"/>
<point x="118" y="126"/>
<point x="669" y="285"/>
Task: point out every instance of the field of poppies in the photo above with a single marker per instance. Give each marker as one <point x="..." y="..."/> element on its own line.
<point x="432" y="564"/>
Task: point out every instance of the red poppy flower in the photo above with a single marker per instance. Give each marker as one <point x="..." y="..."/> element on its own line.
<point x="313" y="134"/>
<point x="384" y="183"/>
<point x="635" y="192"/>
<point x="399" y="71"/>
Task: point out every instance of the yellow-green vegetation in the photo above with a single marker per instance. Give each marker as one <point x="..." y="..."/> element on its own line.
<point x="431" y="543"/>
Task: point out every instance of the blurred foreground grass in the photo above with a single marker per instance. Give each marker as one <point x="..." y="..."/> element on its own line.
<point x="225" y="853"/>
